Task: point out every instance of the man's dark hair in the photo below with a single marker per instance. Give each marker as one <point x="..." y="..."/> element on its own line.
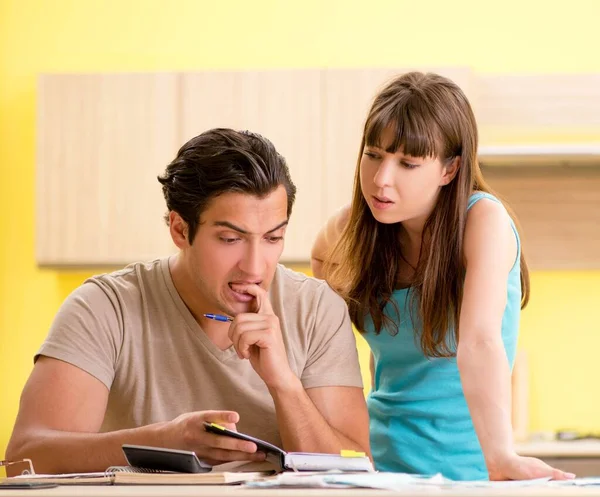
<point x="218" y="161"/>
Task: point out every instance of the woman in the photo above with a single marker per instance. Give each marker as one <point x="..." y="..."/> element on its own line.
<point x="430" y="264"/>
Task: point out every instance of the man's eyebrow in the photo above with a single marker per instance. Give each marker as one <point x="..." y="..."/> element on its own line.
<point x="227" y="224"/>
<point x="279" y="226"/>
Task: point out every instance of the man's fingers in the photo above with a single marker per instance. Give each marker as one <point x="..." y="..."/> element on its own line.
<point x="247" y="317"/>
<point x="243" y="340"/>
<point x="262" y="303"/>
<point x="221" y="455"/>
<point x="259" y="338"/>
<point x="227" y="456"/>
<point x="243" y="327"/>
<point x="221" y="417"/>
<point x="247" y="333"/>
<point x="212" y="440"/>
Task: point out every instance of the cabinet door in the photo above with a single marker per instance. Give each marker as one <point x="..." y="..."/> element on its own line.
<point x="538" y="108"/>
<point x="102" y="141"/>
<point x="285" y="107"/>
<point x="558" y="209"/>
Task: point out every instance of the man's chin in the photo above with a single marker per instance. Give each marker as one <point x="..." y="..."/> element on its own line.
<point x="235" y="308"/>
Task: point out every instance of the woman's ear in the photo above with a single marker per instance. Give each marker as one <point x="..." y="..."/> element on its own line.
<point x="179" y="230"/>
<point x="449" y="171"/>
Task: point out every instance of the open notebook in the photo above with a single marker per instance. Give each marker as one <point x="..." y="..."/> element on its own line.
<point x="223" y="474"/>
<point x="347" y="460"/>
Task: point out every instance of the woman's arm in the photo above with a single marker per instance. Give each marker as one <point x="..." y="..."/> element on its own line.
<point x="490" y="251"/>
<point x="327" y="238"/>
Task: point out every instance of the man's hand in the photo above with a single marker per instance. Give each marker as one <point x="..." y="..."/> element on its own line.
<point x="257" y="337"/>
<point x="187" y="432"/>
<point x="515" y="467"/>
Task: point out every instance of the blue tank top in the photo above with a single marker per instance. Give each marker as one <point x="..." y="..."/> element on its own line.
<point x="419" y="420"/>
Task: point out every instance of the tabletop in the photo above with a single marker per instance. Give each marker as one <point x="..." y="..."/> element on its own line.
<point x="240" y="491"/>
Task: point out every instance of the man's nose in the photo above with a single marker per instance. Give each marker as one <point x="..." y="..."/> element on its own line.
<point x="252" y="261"/>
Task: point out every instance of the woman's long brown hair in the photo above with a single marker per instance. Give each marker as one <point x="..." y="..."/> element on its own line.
<point x="431" y="117"/>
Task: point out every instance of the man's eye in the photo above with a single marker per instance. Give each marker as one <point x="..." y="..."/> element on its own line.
<point x="274" y="239"/>
<point x="229" y="241"/>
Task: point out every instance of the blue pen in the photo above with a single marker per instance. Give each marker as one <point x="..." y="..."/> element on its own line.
<point x="218" y="317"/>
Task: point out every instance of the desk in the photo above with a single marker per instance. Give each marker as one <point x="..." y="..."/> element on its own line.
<point x="581" y="457"/>
<point x="235" y="491"/>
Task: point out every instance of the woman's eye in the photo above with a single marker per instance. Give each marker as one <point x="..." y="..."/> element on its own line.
<point x="371" y="155"/>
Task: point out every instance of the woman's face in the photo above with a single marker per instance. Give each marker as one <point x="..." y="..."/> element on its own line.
<point x="398" y="187"/>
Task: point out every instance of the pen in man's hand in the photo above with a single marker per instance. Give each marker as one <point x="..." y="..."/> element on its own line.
<point x="218" y="317"/>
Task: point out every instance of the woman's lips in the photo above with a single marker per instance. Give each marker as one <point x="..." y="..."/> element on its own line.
<point x="381" y="203"/>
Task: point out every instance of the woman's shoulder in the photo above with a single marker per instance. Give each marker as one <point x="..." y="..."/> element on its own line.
<point x="483" y="207"/>
<point x="340" y="219"/>
<point x="477" y="196"/>
<point x="331" y="231"/>
<point x="488" y="226"/>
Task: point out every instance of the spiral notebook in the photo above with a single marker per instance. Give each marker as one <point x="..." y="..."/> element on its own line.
<point x="224" y="474"/>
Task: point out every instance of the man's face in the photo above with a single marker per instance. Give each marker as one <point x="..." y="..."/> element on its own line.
<point x="238" y="242"/>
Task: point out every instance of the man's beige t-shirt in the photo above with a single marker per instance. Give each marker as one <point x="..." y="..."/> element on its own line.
<point x="132" y="331"/>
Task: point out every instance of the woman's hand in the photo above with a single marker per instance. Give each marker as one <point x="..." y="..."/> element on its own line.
<point x="515" y="467"/>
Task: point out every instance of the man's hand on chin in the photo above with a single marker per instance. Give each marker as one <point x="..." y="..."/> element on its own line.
<point x="256" y="336"/>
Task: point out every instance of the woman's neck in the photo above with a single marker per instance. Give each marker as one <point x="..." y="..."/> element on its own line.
<point x="410" y="243"/>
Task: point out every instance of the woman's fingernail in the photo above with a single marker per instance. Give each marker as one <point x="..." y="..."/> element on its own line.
<point x="570" y="476"/>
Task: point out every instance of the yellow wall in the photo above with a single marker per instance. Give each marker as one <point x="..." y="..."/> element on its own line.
<point x="147" y="35"/>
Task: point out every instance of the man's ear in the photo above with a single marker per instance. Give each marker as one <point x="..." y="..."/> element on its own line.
<point x="179" y="230"/>
<point x="449" y="171"/>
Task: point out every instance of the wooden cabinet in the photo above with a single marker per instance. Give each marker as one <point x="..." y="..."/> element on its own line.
<point x="558" y="209"/>
<point x="104" y="138"/>
<point x="102" y="141"/>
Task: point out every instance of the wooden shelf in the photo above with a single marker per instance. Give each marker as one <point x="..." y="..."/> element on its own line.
<point x="583" y="154"/>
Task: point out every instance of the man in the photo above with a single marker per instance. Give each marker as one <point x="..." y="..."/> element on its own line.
<point x="131" y="358"/>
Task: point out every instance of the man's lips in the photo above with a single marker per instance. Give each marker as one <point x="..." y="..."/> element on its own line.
<point x="241" y="285"/>
<point x="240" y="288"/>
<point x="239" y="293"/>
